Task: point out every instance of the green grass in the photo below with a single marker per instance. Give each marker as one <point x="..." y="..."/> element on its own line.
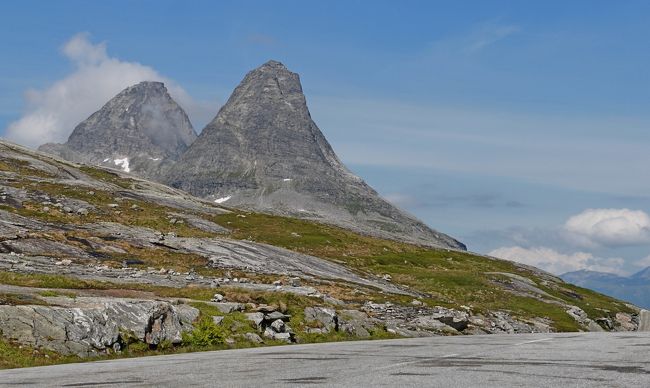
<point x="22" y="168"/>
<point x="51" y="281"/>
<point x="146" y="214"/>
<point x="14" y="299"/>
<point x="451" y="278"/>
<point x="108" y="177"/>
<point x="15" y="356"/>
<point x="52" y="294"/>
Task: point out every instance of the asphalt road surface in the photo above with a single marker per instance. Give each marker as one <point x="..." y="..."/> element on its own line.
<point x="535" y="360"/>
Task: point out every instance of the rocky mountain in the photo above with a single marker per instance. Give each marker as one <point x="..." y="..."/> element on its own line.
<point x="142" y="130"/>
<point x="96" y="262"/>
<point x="634" y="288"/>
<point x="264" y="152"/>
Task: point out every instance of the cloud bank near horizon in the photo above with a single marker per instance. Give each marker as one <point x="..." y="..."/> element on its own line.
<point x="591" y="229"/>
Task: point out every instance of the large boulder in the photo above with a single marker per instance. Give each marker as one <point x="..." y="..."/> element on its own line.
<point x="430" y="323"/>
<point x="356" y="323"/>
<point x="453" y="318"/>
<point x="95" y="325"/>
<point x="325" y="318"/>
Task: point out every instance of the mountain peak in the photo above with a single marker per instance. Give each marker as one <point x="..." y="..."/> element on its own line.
<point x="263" y="151"/>
<point x="272" y="64"/>
<point x="138" y="130"/>
<point x="153" y="85"/>
<point x="643" y="274"/>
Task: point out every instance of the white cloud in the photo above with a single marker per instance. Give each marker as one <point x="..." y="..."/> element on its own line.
<point x="556" y="262"/>
<point x="609" y="227"/>
<point x="52" y="113"/>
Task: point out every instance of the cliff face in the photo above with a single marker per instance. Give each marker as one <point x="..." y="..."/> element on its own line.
<point x="264" y="152"/>
<point x="141" y="130"/>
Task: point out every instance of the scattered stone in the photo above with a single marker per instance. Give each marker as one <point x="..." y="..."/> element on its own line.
<point x="82" y="211"/>
<point x="217" y="319"/>
<point x="626" y="322"/>
<point x="278" y="326"/>
<point x="453" y="318"/>
<point x="217" y="298"/>
<point x="254" y="338"/>
<point x="430" y="323"/>
<point x="256" y="318"/>
<point x="276" y="315"/>
<point x="64" y="262"/>
<point x="265" y="308"/>
<point x="228" y="307"/>
<point x="325" y="317"/>
<point x="605" y="322"/>
<point x="286" y="337"/>
<point x="356" y="323"/>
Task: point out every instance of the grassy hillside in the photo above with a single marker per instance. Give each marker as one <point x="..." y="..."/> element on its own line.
<point x="453" y="279"/>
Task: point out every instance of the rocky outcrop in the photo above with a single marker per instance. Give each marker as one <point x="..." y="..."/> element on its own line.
<point x="142" y="130"/>
<point x="326" y="319"/>
<point x="419" y="321"/>
<point x="264" y="152"/>
<point x="323" y="320"/>
<point x="272" y="324"/>
<point x="90" y="326"/>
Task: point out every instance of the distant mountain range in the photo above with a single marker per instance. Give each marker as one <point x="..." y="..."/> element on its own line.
<point x="261" y="152"/>
<point x="634" y="289"/>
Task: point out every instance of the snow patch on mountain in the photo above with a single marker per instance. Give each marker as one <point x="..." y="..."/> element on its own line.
<point x="123" y="164"/>
<point x="222" y="199"/>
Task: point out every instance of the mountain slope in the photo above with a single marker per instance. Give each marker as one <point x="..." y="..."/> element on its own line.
<point x="635" y="288"/>
<point x="141" y="130"/>
<point x="94" y="261"/>
<point x="264" y="152"/>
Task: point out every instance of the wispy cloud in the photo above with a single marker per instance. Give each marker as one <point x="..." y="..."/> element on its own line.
<point x="421" y="198"/>
<point x="469" y="139"/>
<point x="52" y="113"/>
<point x="488" y="34"/>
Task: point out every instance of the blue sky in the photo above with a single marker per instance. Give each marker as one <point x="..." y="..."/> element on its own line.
<point x="494" y="121"/>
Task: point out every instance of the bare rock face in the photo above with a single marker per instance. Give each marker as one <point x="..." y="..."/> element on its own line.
<point x="264" y="152"/>
<point x="94" y="325"/>
<point x="141" y="130"/>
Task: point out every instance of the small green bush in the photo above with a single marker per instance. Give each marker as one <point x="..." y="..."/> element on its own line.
<point x="205" y="334"/>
